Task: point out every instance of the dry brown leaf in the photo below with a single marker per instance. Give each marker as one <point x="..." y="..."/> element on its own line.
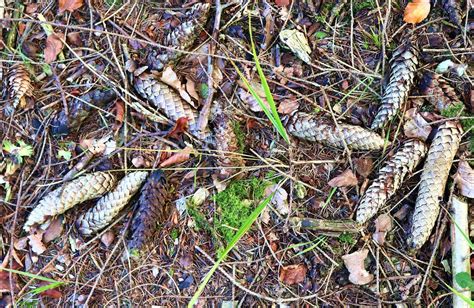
<point x="179" y="128"/>
<point x="191" y="88"/>
<point x="53" y="48"/>
<point x="293" y="274"/>
<point x="119" y="114"/>
<point x="36" y="242"/>
<point x="288" y="106"/>
<point x="354" y="263"/>
<point x="347" y="178"/>
<point x="170" y="78"/>
<point x="383" y="224"/>
<point x="31" y="8"/>
<point x="107" y="238"/>
<point x="415" y="125"/>
<point x="74" y="38"/>
<point x="416" y="11"/>
<point x="178" y="157"/>
<point x="464" y="178"/>
<point x="364" y="165"/>
<point x="53" y="231"/>
<point x="69" y="5"/>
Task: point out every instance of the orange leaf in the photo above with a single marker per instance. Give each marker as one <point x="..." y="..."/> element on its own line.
<point x="53" y="48"/>
<point x="52" y="293"/>
<point x="179" y="128"/>
<point x="177" y="158"/>
<point x="293" y="274"/>
<point x="70" y="5"/>
<point x="416" y="11"/>
<point x="119" y="114"/>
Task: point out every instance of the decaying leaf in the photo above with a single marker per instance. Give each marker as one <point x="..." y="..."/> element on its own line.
<point x="363" y="166"/>
<point x="288" y="106"/>
<point x="51" y="293"/>
<point x="111" y="204"/>
<point x="453" y="10"/>
<point x="383" y="224"/>
<point x="180" y="127"/>
<point x="53" y="231"/>
<point x="415" y="125"/>
<point x="354" y="263"/>
<point x="54" y="46"/>
<point x="70" y="5"/>
<point x="293" y="274"/>
<point x="36" y="242"/>
<point x="347" y="178"/>
<point x="107" y="238"/>
<point x="416" y="11"/>
<point x="464" y="179"/>
<point x="297" y="42"/>
<point x="279" y="200"/>
<point x="178" y="158"/>
<point x="170" y="78"/>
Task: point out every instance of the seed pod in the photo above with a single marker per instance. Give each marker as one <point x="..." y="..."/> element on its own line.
<point x="452" y="9"/>
<point x="182" y="37"/>
<point x="18" y="85"/>
<point x="309" y="127"/>
<point x="58" y="201"/>
<point x="390" y="178"/>
<point x="151" y="210"/>
<point x="79" y="109"/>
<point x="403" y="66"/>
<point x="437" y="91"/>
<point x="227" y="146"/>
<point x="433" y="181"/>
<point x="165" y="99"/>
<point x="111" y="204"/>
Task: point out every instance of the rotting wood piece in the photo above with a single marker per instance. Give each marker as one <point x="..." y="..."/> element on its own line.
<point x="111" y="204"/>
<point x="390" y="178"/>
<point x="18" y="86"/>
<point x="433" y="181"/>
<point x="81" y="189"/>
<point x="313" y="128"/>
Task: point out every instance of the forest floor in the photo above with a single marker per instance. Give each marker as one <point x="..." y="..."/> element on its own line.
<point x="276" y="212"/>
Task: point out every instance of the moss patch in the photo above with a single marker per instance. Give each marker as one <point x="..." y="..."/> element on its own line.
<point x="458" y="110"/>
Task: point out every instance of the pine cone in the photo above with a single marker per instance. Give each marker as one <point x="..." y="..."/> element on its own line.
<point x="437" y="91"/>
<point x="403" y="66"/>
<point x="433" y="181"/>
<point x="165" y="99"/>
<point x="309" y="127"/>
<point x="111" y="204"/>
<point x="79" y="109"/>
<point x="18" y="85"/>
<point x="227" y="146"/>
<point x="390" y="178"/>
<point x="151" y="210"/>
<point x="58" y="201"/>
<point x="453" y="10"/>
<point x="181" y="38"/>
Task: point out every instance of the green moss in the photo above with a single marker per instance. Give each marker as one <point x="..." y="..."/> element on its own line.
<point x="240" y="135"/>
<point x="346" y="238"/>
<point x="365" y="4"/>
<point x="114" y="3"/>
<point x="458" y="110"/>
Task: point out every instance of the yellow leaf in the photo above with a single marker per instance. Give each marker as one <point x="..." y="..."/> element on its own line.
<point x="416" y="11"/>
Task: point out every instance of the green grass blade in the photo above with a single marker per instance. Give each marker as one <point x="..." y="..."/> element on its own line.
<point x="240" y="233"/>
<point x="47" y="287"/>
<point x="33" y="276"/>
<point x="460" y="295"/>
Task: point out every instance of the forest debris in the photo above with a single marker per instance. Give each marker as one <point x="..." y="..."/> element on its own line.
<point x="403" y="65"/>
<point x="297" y="42"/>
<point x="288" y="106"/>
<point x="364" y="166"/>
<point x="53" y="231"/>
<point x="464" y="179"/>
<point x="199" y="196"/>
<point x="433" y="181"/>
<point x="348" y="225"/>
<point x="54" y="46"/>
<point x="69" y="5"/>
<point x="347" y="178"/>
<point x="390" y="178"/>
<point x="313" y="128"/>
<point x="279" y="200"/>
<point x="247" y="98"/>
<point x="111" y="204"/>
<point x="170" y="78"/>
<point x="36" y="243"/>
<point x="18" y="83"/>
<point x="293" y="274"/>
<point x="383" y="224"/>
<point x="179" y="128"/>
<point x="51" y="293"/>
<point x="415" y="125"/>
<point x="178" y="158"/>
<point x="453" y="10"/>
<point x="449" y="65"/>
<point x="416" y="11"/>
<point x="107" y="238"/>
<point x="354" y="263"/>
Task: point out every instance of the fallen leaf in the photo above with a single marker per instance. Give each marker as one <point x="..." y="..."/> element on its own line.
<point x="288" y="106"/>
<point x="69" y="5"/>
<point x="363" y="166"/>
<point x="74" y="38"/>
<point x="383" y="224"/>
<point x="107" y="238"/>
<point x="297" y="42"/>
<point x="464" y="179"/>
<point x="179" y="128"/>
<point x="279" y="199"/>
<point x="178" y="157"/>
<point x="20" y="243"/>
<point x="119" y="114"/>
<point x="36" y="242"/>
<point x="347" y="178"/>
<point x="53" y="48"/>
<point x="170" y="78"/>
<point x="293" y="274"/>
<point x="31" y="8"/>
<point x="416" y="11"/>
<point x="248" y="99"/>
<point x="354" y="263"/>
<point x="51" y="293"/>
<point x="53" y="231"/>
<point x="415" y="125"/>
<point x="191" y="88"/>
<point x="282" y="2"/>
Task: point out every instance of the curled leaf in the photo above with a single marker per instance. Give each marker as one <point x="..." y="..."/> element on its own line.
<point x="383" y="224"/>
<point x="416" y="126"/>
<point x="69" y="5"/>
<point x="347" y="178"/>
<point x="464" y="178"/>
<point x="416" y="11"/>
<point x="54" y="45"/>
<point x="354" y="263"/>
<point x="178" y="158"/>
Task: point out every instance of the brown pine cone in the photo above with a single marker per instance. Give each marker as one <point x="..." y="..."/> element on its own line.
<point x="165" y="99"/>
<point x="228" y="158"/>
<point x="111" y="204"/>
<point x="312" y="128"/>
<point x="81" y="189"/>
<point x="433" y="181"/>
<point x="437" y="91"/>
<point x="152" y="209"/>
<point x="18" y="83"/>
<point x="181" y="38"/>
<point x="403" y="66"/>
<point x="390" y="178"/>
